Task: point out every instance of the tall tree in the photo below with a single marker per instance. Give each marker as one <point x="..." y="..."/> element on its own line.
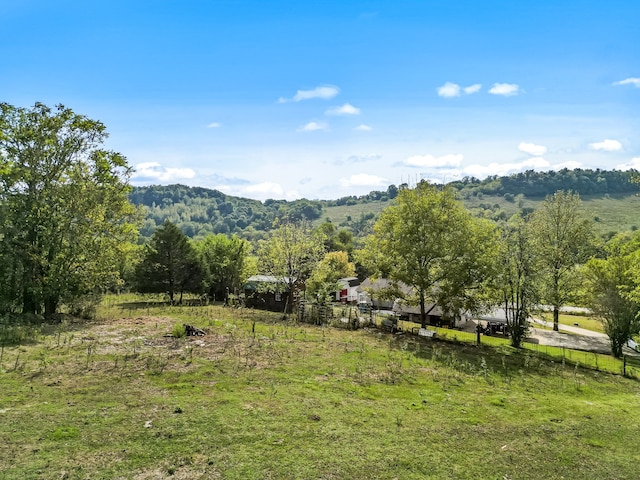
<point x="516" y="279"/>
<point x="613" y="285"/>
<point x="64" y="206"/>
<point x="169" y="265"/>
<point x="428" y="241"/>
<point x="290" y="255"/>
<point x="225" y="264"/>
<point x="563" y="238"/>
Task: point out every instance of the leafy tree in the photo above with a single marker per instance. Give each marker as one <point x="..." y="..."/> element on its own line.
<point x="516" y="278"/>
<point x="290" y="254"/>
<point x="429" y="242"/>
<point x="225" y="264"/>
<point x="613" y="285"/>
<point x="324" y="278"/>
<point x="563" y="238"/>
<point x="64" y="207"/>
<point x="169" y="264"/>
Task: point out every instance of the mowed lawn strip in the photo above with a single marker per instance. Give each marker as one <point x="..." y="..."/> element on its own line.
<point x="258" y="397"/>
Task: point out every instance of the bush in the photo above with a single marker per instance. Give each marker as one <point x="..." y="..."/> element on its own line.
<point x="179" y="330"/>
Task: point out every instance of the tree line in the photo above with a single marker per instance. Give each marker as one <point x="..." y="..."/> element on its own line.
<point x="69" y="230"/>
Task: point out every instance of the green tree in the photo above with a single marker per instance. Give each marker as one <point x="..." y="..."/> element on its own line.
<point x="613" y="284"/>
<point x="64" y="207"/>
<point x="225" y="264"/>
<point x="290" y="254"/>
<point x="563" y="238"/>
<point x="516" y="279"/>
<point x="428" y="241"/>
<point x="169" y="265"/>
<point x="324" y="278"/>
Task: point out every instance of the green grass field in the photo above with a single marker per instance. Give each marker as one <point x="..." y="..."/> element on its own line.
<point x="259" y="397"/>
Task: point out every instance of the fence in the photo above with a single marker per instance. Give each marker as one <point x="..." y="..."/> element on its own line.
<point x="628" y="365"/>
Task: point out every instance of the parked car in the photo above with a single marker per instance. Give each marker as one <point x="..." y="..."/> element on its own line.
<point x="633" y="345"/>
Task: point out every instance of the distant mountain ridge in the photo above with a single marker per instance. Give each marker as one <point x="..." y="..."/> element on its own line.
<point x="199" y="211"/>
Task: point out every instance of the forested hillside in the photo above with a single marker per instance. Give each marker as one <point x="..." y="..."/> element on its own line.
<point x="609" y="195"/>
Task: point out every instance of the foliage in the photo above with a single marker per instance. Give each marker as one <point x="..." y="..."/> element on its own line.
<point x="290" y="254"/>
<point x="563" y="238"/>
<point x="169" y="265"/>
<point x="517" y="278"/>
<point x="428" y="242"/>
<point x="324" y="279"/>
<point x="541" y="184"/>
<point x="64" y="208"/>
<point x="225" y="264"/>
<point x="613" y="285"/>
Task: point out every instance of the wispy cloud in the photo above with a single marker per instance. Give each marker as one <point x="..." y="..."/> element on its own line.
<point x="501" y="169"/>
<point x="324" y="92"/>
<point x="475" y="88"/>
<point x="635" y="81"/>
<point x="364" y="158"/>
<point x="429" y="161"/>
<point x="260" y="191"/>
<point x="313" y="127"/>
<point x="633" y="164"/>
<point x="363" y="128"/>
<point x="363" y="180"/>
<point x="450" y="89"/>
<point x="607" y="145"/>
<point x="346" y="109"/>
<point x="505" y="89"/>
<point x="532" y="149"/>
<point x="155" y="171"/>
<point x="214" y="125"/>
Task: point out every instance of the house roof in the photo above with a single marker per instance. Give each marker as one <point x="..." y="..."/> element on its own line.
<point x="429" y="308"/>
<point x="381" y="284"/>
<point x="349" y="282"/>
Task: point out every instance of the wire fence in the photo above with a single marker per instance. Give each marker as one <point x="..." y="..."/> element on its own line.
<point x="628" y="366"/>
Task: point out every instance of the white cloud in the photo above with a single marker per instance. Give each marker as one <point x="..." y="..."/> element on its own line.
<point x="260" y="191"/>
<point x="346" y="109"/>
<point x="607" y="145"/>
<point x="364" y="158"/>
<point x="532" y="149"/>
<point x="505" y="89"/>
<point x="634" y="164"/>
<point x="429" y="161"/>
<point x="155" y="171"/>
<point x="363" y="128"/>
<point x="363" y="180"/>
<point x="326" y="92"/>
<point x="312" y="127"/>
<point x="449" y="90"/>
<point x="501" y="169"/>
<point x="475" y="88"/>
<point x="629" y="81"/>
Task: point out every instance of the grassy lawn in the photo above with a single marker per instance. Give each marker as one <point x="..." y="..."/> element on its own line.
<point x="258" y="397"/>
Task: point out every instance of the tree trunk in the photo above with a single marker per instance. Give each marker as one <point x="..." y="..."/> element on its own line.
<point x="423" y="313"/>
<point x="556" y="317"/>
<point x="50" y="306"/>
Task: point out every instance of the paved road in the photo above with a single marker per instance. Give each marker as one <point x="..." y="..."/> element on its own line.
<point x="570" y="329"/>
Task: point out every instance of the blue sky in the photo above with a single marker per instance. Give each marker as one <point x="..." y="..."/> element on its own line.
<point x="322" y="99"/>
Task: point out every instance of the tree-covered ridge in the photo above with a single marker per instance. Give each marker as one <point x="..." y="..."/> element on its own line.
<point x="200" y="211"/>
<point x="541" y="184"/>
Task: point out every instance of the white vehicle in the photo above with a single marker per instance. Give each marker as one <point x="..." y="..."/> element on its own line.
<point x="633" y="345"/>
